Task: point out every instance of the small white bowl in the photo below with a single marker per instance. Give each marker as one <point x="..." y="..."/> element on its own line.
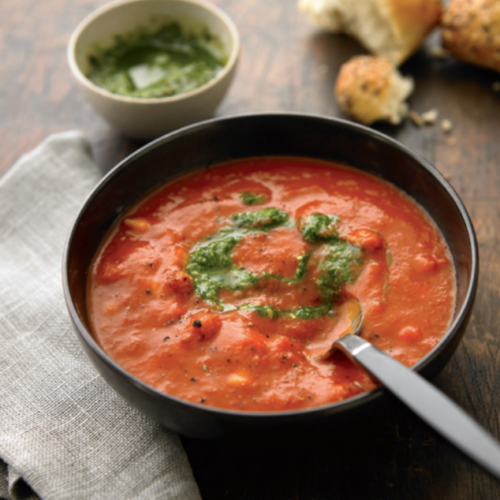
<point x="148" y="118"/>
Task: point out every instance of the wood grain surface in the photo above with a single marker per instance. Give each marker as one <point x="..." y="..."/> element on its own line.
<point x="288" y="65"/>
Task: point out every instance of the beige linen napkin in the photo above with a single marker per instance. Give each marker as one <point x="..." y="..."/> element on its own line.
<point x="64" y="434"/>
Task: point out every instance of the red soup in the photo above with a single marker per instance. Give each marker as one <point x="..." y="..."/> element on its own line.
<point x="221" y="287"/>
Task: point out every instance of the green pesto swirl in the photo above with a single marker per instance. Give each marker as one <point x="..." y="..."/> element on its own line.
<point x="212" y="268"/>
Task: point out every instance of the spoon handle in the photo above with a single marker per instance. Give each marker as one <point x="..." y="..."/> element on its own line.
<point x="426" y="401"/>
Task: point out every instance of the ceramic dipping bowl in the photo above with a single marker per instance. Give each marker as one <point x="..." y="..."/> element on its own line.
<point x="149" y="118"/>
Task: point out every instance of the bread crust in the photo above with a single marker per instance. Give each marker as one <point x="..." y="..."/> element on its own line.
<point x="413" y="21"/>
<point x="370" y="89"/>
<point x="471" y="31"/>
<point x="388" y="28"/>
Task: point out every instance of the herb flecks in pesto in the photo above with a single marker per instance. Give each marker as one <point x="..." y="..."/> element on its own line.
<point x="263" y="220"/>
<point x="249" y="198"/>
<point x="211" y="263"/>
<point x="157" y="62"/>
<point x="267" y="311"/>
<point x="339" y="266"/>
<point x="311" y="312"/>
<point x="212" y="268"/>
<point x="216" y="254"/>
<point x="303" y="312"/>
<point x="319" y="227"/>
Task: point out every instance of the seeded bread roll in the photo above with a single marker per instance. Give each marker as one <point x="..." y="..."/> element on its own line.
<point x="371" y="89"/>
<point x="390" y="28"/>
<point x="471" y="31"/>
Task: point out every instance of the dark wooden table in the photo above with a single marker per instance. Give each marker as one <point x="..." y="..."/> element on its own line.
<point x="288" y="65"/>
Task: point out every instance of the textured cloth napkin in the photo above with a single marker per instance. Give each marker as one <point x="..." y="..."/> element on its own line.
<point x="64" y="434"/>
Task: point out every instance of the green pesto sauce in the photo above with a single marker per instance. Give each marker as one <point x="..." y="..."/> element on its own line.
<point x="263" y="220"/>
<point x="155" y="63"/>
<point x="252" y="198"/>
<point x="211" y="265"/>
<point x="304" y="312"/>
<point x="319" y="227"/>
<point x="340" y="265"/>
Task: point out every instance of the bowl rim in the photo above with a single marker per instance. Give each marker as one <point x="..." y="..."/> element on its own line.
<point x="295" y="415"/>
<point x="116" y="4"/>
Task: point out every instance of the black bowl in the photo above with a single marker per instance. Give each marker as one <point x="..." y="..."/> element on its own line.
<point x="263" y="135"/>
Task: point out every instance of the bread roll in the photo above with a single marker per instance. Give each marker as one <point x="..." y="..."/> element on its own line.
<point x="390" y="28"/>
<point x="471" y="31"/>
<point x="371" y="88"/>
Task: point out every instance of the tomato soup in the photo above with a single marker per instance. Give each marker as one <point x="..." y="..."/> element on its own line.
<point x="222" y="286"/>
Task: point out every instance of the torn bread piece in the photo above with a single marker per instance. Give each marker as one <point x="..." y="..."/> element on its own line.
<point x="471" y="31"/>
<point x="371" y="89"/>
<point x="390" y="28"/>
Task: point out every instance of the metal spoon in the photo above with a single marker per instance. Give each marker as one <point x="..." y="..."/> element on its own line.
<point x="420" y="396"/>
